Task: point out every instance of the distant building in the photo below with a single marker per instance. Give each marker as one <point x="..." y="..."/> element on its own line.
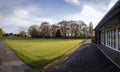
<point x="107" y="32"/>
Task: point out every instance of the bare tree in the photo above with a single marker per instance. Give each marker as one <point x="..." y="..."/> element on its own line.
<point x="83" y="30"/>
<point x="58" y="33"/>
<point x="45" y="29"/>
<point x="80" y="25"/>
<point x="91" y="29"/>
<point x="63" y="27"/>
<point x="23" y="33"/>
<point x="76" y="30"/>
<point x="53" y="30"/>
<point x="33" y="31"/>
<point x="71" y="23"/>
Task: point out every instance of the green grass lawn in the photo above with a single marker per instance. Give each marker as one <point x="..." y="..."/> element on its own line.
<point x="40" y="52"/>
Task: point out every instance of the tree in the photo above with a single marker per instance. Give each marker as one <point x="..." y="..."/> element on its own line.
<point x="85" y="33"/>
<point x="72" y="30"/>
<point x="1" y="32"/>
<point x="91" y="29"/>
<point x="45" y="29"/>
<point x="58" y="33"/>
<point x="83" y="30"/>
<point x="63" y="28"/>
<point x="33" y="31"/>
<point x="53" y="30"/>
<point x="23" y="33"/>
<point x="76" y="30"/>
<point x="80" y="25"/>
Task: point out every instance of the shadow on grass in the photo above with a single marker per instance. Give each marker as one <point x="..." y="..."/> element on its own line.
<point x="36" y="64"/>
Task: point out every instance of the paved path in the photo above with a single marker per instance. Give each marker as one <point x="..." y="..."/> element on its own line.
<point x="9" y="62"/>
<point x="88" y="58"/>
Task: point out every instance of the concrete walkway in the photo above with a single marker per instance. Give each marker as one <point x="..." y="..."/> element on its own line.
<point x="88" y="58"/>
<point x="9" y="62"/>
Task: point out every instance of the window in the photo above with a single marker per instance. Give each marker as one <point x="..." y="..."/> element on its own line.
<point x="109" y="35"/>
<point x="102" y="37"/>
<point x="119" y="38"/>
<point x="114" y="38"/>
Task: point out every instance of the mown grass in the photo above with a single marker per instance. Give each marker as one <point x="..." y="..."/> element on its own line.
<point x="41" y="52"/>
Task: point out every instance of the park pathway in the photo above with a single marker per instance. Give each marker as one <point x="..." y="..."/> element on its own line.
<point x="88" y="58"/>
<point x="9" y="62"/>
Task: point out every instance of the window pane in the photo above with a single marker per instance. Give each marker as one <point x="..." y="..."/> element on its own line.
<point x="111" y="38"/>
<point x="114" y="38"/>
<point x="119" y="38"/>
<point x="101" y="37"/>
<point x="107" y="38"/>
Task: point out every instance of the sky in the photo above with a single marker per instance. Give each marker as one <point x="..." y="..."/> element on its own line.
<point x="18" y="15"/>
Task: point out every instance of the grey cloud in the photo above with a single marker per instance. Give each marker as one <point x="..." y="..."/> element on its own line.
<point x="7" y="6"/>
<point x="13" y="28"/>
<point x="10" y="27"/>
<point x="100" y="5"/>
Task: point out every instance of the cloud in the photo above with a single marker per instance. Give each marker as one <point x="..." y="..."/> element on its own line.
<point x="8" y="6"/>
<point x="87" y="15"/>
<point x="74" y="2"/>
<point x="21" y="13"/>
<point x="93" y="10"/>
<point x="21" y="18"/>
<point x="101" y="5"/>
